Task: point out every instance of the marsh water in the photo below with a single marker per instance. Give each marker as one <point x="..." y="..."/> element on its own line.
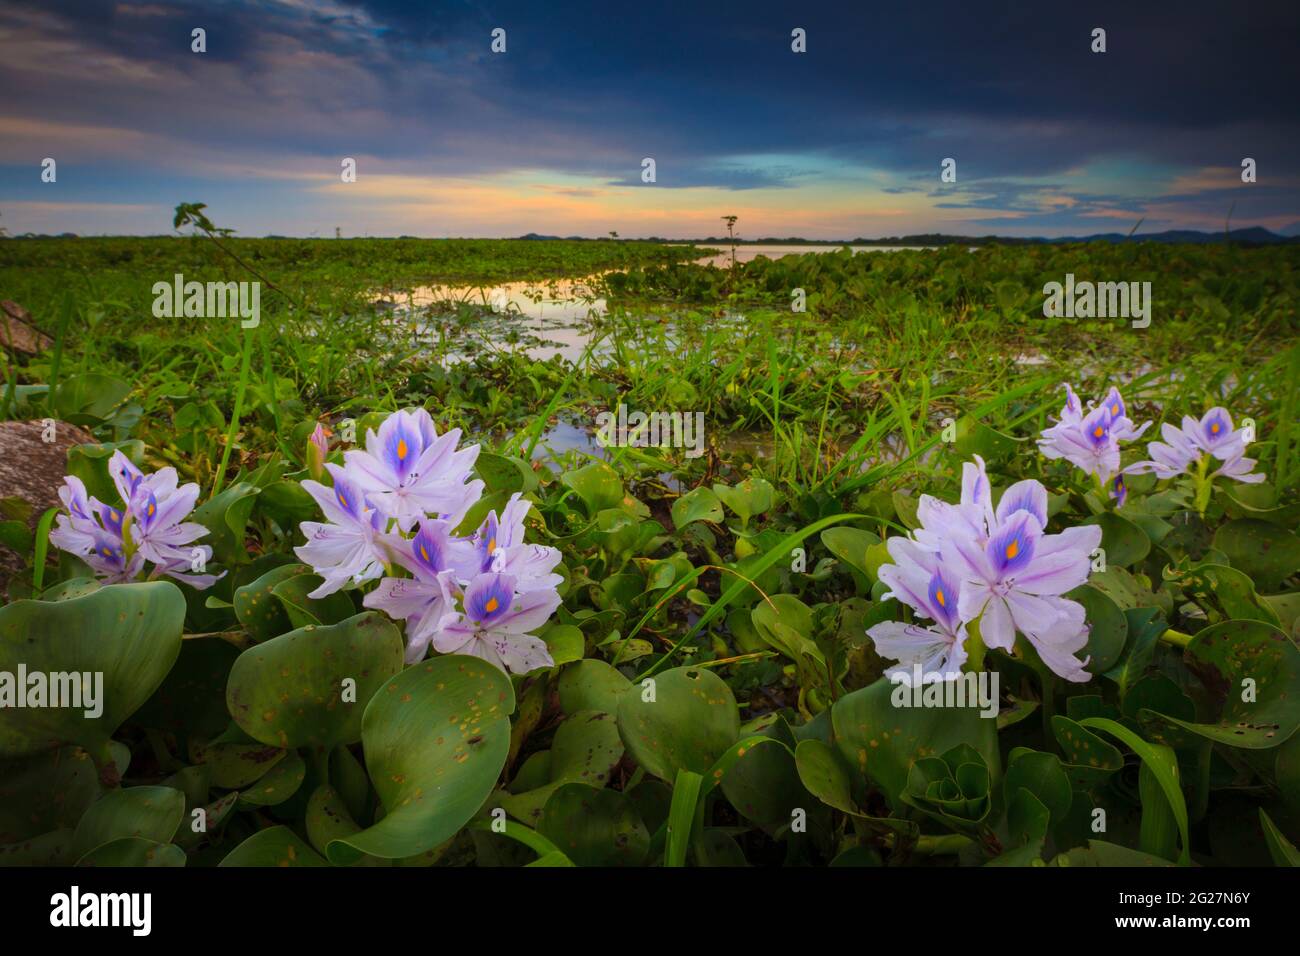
<point x="553" y="318"/>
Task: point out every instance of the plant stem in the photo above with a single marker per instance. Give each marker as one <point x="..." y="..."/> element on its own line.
<point x="238" y="410"/>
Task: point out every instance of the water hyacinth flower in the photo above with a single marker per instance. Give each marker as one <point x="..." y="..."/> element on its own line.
<point x="348" y="548"/>
<point x="391" y="515"/>
<point x="408" y="471"/>
<point x="1090" y="440"/>
<point x="149" y="527"/>
<point x="426" y="601"/>
<point x="496" y="624"/>
<point x="1013" y="579"/>
<point x="919" y="580"/>
<point x="499" y="546"/>
<point x="1008" y="571"/>
<point x="1187" y="450"/>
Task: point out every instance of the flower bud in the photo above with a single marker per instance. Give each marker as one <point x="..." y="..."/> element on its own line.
<point x="318" y="447"/>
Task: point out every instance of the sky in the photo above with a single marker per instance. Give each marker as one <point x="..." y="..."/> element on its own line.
<point x="844" y="140"/>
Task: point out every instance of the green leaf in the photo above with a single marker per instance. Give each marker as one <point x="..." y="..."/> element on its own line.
<point x="130" y="633"/>
<point x="304" y="611"/>
<point x="27" y="808"/>
<point x="1108" y="628"/>
<point x="279" y="783"/>
<point x="1027" y="824"/>
<point x="881" y="740"/>
<point x="150" y="813"/>
<point x="1144" y="626"/>
<point x="1101" y="853"/>
<point x="747" y="498"/>
<point x="597" y="484"/>
<point x="698" y="505"/>
<point x="134" y="851"/>
<point x="763" y="784"/>
<point x="585" y="749"/>
<point x="591" y="685"/>
<point x="1089" y="760"/>
<point x="1255" y="668"/>
<point x="1124" y="542"/>
<point x="500" y="473"/>
<point x="684" y="720"/>
<point x="595" y="827"/>
<point x="1227" y="590"/>
<point x="274" y="846"/>
<point x="565" y="642"/>
<point x="226" y="518"/>
<point x="681" y="817"/>
<point x="436" y="738"/>
<point x="309" y="687"/>
<point x="851" y="546"/>
<point x="238" y="765"/>
<point x="1263" y="551"/>
<point x="258" y="610"/>
<point x="89" y="398"/>
<point x="1163" y="763"/>
<point x="1042" y="775"/>
<point x="1281" y="849"/>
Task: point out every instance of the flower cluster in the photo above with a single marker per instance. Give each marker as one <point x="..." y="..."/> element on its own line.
<point x="148" y="525"/>
<point x="1090" y="439"/>
<point x="970" y="560"/>
<point x="1190" y="448"/>
<point x="391" y="515"/>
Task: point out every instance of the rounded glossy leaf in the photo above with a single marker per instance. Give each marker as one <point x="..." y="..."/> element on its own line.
<point x="591" y="685"/>
<point x="274" y="846"/>
<point x="881" y="740"/>
<point x="1256" y="670"/>
<point x="134" y="851"/>
<point x="683" y="719"/>
<point x="436" y="737"/>
<point x="130" y="633"/>
<point x="150" y="813"/>
<point x="310" y="687"/>
<point x="1124" y="542"/>
<point x="1108" y="628"/>
<point x="698" y="505"/>
<point x="1265" y="552"/>
<point x="595" y="827"/>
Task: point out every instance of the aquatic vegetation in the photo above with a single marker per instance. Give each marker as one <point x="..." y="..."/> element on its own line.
<point x="478" y="595"/>
<point x="902" y="608"/>
<point x="146" y="528"/>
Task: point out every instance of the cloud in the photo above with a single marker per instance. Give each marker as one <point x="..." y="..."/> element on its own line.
<point x="1042" y="129"/>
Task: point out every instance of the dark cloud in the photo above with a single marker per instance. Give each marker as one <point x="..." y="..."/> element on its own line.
<point x="1012" y="91"/>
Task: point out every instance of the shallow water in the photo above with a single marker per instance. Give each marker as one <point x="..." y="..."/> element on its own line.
<point x="748" y="253"/>
<point x="547" y="318"/>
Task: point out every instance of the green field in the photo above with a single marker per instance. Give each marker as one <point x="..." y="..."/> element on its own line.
<point x="741" y="575"/>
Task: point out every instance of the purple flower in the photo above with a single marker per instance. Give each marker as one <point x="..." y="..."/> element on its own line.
<point x="1090" y="440"/>
<point x="426" y="601"/>
<point x="1013" y="578"/>
<point x="349" y="547"/>
<point x="919" y="579"/>
<point x="1183" y="449"/>
<point x="409" y="472"/>
<point x="1006" y="569"/>
<point x="393" y="511"/>
<point x="499" y="546"/>
<point x="150" y="526"/>
<point x="496" y="622"/>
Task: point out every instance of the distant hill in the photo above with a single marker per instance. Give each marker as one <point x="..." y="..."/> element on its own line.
<point x="1254" y="235"/>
